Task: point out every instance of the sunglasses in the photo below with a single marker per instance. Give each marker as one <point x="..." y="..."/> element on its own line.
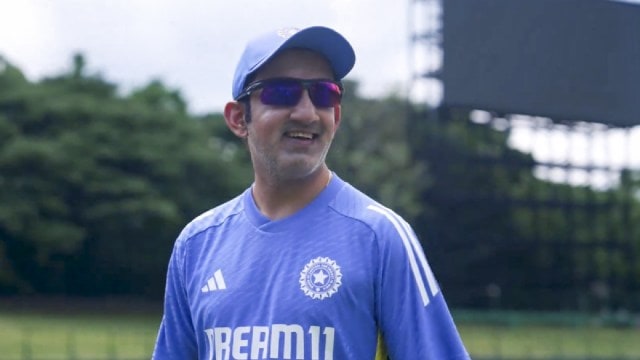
<point x="288" y="91"/>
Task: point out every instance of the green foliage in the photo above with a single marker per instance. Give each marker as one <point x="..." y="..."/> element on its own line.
<point x="371" y="151"/>
<point x="529" y="243"/>
<point x="96" y="186"/>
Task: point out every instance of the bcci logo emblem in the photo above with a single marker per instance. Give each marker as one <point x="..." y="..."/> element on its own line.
<point x="287" y="32"/>
<point x="320" y="278"/>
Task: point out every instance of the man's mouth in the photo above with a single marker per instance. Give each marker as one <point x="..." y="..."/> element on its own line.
<point x="300" y="135"/>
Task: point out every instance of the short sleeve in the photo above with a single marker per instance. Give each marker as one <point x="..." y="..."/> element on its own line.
<point x="176" y="338"/>
<point x="413" y="316"/>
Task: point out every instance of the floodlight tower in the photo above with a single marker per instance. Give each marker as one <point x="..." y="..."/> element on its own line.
<point x="425" y="57"/>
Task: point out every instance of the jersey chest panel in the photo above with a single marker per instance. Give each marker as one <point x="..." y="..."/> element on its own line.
<point x="318" y="285"/>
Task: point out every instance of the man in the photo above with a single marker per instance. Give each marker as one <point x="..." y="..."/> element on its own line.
<point x="301" y="265"/>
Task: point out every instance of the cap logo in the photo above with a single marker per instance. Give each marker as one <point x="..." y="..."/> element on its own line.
<point x="287" y="32"/>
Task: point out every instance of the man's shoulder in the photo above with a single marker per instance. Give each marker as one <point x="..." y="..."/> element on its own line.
<point x="213" y="218"/>
<point x="355" y="204"/>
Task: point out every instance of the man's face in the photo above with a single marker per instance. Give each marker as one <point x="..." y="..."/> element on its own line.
<point x="289" y="143"/>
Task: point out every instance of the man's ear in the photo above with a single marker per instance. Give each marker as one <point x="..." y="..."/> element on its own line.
<point x="234" y="116"/>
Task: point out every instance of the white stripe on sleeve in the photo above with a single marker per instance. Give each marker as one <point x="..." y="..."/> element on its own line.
<point x="412" y="246"/>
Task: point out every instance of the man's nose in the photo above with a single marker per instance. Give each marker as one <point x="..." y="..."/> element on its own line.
<point x="305" y="110"/>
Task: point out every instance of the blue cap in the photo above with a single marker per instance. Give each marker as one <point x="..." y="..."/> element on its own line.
<point x="333" y="46"/>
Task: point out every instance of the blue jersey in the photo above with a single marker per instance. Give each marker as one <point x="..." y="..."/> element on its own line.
<point x="343" y="278"/>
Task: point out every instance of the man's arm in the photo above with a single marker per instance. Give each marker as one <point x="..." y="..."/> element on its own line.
<point x="414" y="319"/>
<point x="176" y="338"/>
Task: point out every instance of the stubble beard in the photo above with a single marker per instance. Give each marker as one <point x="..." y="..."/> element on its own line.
<point x="281" y="171"/>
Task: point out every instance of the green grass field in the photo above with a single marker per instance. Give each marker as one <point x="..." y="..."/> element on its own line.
<point x="50" y="336"/>
<point x="550" y="342"/>
<point x="53" y="334"/>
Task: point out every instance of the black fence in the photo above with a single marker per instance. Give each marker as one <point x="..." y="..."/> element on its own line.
<point x="528" y="213"/>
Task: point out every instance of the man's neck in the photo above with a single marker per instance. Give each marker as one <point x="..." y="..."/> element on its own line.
<point x="279" y="199"/>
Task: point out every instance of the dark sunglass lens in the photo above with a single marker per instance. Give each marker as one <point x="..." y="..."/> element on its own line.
<point x="325" y="94"/>
<point x="281" y="93"/>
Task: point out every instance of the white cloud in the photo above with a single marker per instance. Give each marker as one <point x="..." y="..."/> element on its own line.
<point x="192" y="45"/>
<point x="26" y="35"/>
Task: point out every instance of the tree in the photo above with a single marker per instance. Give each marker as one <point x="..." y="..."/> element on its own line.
<point x="96" y="186"/>
<point x="499" y="236"/>
<point x="372" y="152"/>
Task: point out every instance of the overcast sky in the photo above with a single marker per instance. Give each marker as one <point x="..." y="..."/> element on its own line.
<point x="193" y="45"/>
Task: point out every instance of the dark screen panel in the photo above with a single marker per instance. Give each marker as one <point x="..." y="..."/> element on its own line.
<point x="566" y="59"/>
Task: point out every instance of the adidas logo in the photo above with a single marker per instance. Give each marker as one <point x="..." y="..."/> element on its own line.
<point x="216" y="282"/>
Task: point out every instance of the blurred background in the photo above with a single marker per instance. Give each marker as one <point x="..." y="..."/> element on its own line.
<point x="506" y="132"/>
